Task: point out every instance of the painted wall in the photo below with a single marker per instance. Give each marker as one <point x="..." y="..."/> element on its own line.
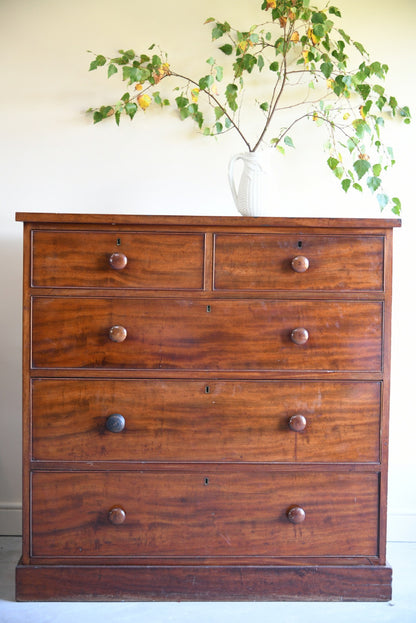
<point x="53" y="159"/>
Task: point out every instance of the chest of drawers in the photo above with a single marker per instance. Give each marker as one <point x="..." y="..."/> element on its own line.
<point x="205" y="408"/>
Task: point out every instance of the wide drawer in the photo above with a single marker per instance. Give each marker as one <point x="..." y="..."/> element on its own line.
<point x="267" y="262"/>
<point x="206" y="335"/>
<point x="201" y="514"/>
<point x="184" y="420"/>
<point x="83" y="259"/>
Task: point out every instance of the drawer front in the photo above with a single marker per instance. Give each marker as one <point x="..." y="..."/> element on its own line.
<point x="181" y="420"/>
<point x="203" y="514"/>
<point x="92" y="259"/>
<point x="191" y="334"/>
<point x="264" y="262"/>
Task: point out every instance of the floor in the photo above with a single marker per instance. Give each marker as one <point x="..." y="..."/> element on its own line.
<point x="402" y="609"/>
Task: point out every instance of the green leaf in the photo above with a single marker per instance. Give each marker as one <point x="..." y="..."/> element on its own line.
<point x="260" y="62"/>
<point x="112" y="69"/>
<point x="364" y="90"/>
<point x="334" y="11"/>
<point x="219" y="127"/>
<point x="99" y="61"/>
<point x="288" y="141"/>
<point x="181" y="101"/>
<point x="319" y="31"/>
<point x="125" y="98"/>
<point x="206" y="82"/>
<point x="360" y="48"/>
<point x="219" y="73"/>
<point x="265" y="106"/>
<point x="346" y="183"/>
<point x="377" y="169"/>
<point x="218" y="112"/>
<point x="274" y="66"/>
<point x="227" y="49"/>
<point x="361" y="167"/>
<point x="333" y="163"/>
<point x="382" y="201"/>
<point x="361" y="127"/>
<point x="131" y="109"/>
<point x="397" y="206"/>
<point x="344" y="35"/>
<point x="231" y="95"/>
<point x="358" y="187"/>
<point x="326" y="69"/>
<point x="318" y="18"/>
<point x="373" y="183"/>
<point x="97" y="117"/>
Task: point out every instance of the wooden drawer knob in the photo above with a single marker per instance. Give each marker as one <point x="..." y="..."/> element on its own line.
<point x="297" y="423"/>
<point x="299" y="336"/>
<point x="116" y="515"/>
<point x="118" y="261"/>
<point x="115" y="423"/>
<point x="296" y="514"/>
<point x="117" y="334"/>
<point x="300" y="264"/>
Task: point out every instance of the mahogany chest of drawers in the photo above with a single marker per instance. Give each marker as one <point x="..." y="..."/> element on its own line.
<point x="205" y="408"/>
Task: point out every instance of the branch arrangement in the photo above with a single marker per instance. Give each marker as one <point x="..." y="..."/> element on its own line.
<point x="297" y="47"/>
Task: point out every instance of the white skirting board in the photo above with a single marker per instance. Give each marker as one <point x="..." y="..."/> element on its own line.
<point x="400" y="526"/>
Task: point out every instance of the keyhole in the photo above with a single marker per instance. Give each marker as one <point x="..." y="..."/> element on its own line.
<point x="208" y="308"/>
<point x="206" y="481"/>
<point x="118" y="242"/>
<point x="300" y="244"/>
<point x="207" y="390"/>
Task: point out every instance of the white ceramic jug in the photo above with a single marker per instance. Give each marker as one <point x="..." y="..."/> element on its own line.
<point x="250" y="199"/>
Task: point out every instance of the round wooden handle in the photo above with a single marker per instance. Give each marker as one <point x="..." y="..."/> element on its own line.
<point x="115" y="423"/>
<point x="118" y="261"/>
<point x="299" y="336"/>
<point x="300" y="264"/>
<point x="116" y="515"/>
<point x="296" y="514"/>
<point x="117" y="334"/>
<point x="297" y="423"/>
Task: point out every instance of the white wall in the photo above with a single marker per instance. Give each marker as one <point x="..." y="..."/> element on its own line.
<point x="53" y="159"/>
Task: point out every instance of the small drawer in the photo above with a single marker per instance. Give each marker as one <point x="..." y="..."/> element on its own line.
<point x="301" y="263"/>
<point x="202" y="513"/>
<point x="187" y="334"/>
<point x="218" y="421"/>
<point x="142" y="260"/>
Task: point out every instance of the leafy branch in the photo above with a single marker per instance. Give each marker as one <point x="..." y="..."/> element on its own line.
<point x="297" y="40"/>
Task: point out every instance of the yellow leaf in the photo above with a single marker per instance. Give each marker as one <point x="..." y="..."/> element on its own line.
<point x="312" y="36"/>
<point x="295" y="37"/>
<point x="346" y="116"/>
<point x="195" y="95"/>
<point x="243" y="45"/>
<point x="362" y="113"/>
<point x="214" y="89"/>
<point x="291" y="16"/>
<point x="139" y="86"/>
<point x="144" y="101"/>
<point x="363" y="157"/>
<point x="271" y="4"/>
<point x="315" y="116"/>
<point x="305" y="55"/>
<point x="330" y="83"/>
